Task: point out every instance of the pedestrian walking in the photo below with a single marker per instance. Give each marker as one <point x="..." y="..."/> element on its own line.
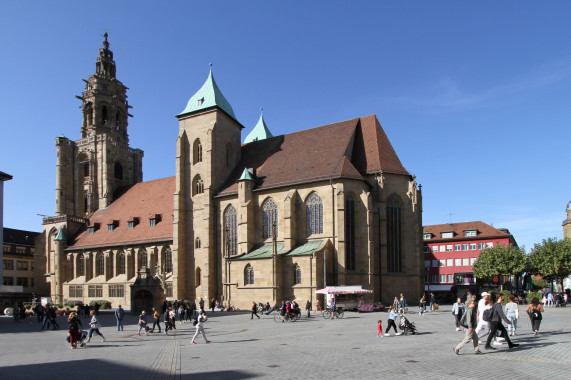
<point x="73" y="329"/>
<point x="422" y="305"/>
<point x="380" y="328"/>
<point x="483" y="304"/>
<point x="200" y="327"/>
<point x="119" y="315"/>
<point x="432" y="301"/>
<point x="167" y="320"/>
<point x="172" y="316"/>
<point x="550" y="299"/>
<point x="94" y="326"/>
<point x="308" y="308"/>
<point x="212" y="304"/>
<point x="512" y="312"/>
<point x="496" y="324"/>
<point x="254" y="310"/>
<point x="143" y="323"/>
<point x="39" y="310"/>
<point x="402" y="303"/>
<point x="457" y="310"/>
<point x="470" y="319"/>
<point x="535" y="310"/>
<point x="391" y="322"/>
<point x="201" y="303"/>
<point x="157" y="321"/>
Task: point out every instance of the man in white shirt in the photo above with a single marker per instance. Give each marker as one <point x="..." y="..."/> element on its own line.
<point x="481" y="307"/>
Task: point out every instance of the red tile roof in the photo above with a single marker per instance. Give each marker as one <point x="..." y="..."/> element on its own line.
<point x="484" y="231"/>
<point x="142" y="201"/>
<point x="347" y="149"/>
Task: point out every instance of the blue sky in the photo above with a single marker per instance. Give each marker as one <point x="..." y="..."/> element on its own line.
<point x="474" y="96"/>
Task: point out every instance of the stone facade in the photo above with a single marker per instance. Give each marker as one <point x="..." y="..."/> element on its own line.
<point x="276" y="218"/>
<point x="567" y="222"/>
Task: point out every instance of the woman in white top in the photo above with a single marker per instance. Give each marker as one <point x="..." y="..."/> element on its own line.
<point x="200" y="327"/>
<point x="512" y="313"/>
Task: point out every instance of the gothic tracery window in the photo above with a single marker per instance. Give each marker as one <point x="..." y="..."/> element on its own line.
<point x="297" y="275"/>
<point x="120" y="263"/>
<point x="197" y="185"/>
<point x="249" y="275"/>
<point x="231" y="230"/>
<point x="394" y="234"/>
<point x="270" y="218"/>
<point x="80" y="265"/>
<point x="197" y="152"/>
<point x="168" y="260"/>
<point x="350" y="232"/>
<point x="99" y="264"/>
<point x="314" y="211"/>
<point x="142" y="259"/>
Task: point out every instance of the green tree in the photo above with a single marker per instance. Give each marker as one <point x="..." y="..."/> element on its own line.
<point x="551" y="259"/>
<point x="499" y="261"/>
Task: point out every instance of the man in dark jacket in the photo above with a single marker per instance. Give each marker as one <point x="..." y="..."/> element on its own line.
<point x="496" y="324"/>
<point x="471" y="322"/>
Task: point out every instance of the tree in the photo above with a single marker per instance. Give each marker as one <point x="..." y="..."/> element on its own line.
<point x="552" y="259"/>
<point x="499" y="261"/>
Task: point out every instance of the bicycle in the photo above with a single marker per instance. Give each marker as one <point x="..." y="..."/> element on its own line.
<point x="338" y="312"/>
<point x="292" y="316"/>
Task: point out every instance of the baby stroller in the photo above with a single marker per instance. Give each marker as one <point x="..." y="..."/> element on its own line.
<point x="81" y="341"/>
<point x="407" y="326"/>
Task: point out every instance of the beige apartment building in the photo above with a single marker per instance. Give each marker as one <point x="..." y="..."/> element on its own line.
<point x="275" y="218"/>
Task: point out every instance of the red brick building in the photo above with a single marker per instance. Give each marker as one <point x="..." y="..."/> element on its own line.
<point x="451" y="249"/>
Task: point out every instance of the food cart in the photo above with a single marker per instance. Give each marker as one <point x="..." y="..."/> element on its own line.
<point x="347" y="297"/>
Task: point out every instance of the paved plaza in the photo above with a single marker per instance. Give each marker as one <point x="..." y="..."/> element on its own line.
<point x="311" y="348"/>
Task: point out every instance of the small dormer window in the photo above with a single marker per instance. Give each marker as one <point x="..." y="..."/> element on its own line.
<point x="447" y="235"/>
<point x="132" y="222"/>
<point x="111" y="226"/>
<point x="468" y="233"/>
<point x="427" y="236"/>
<point x="200" y="101"/>
<point x="93" y="228"/>
<point x="153" y="220"/>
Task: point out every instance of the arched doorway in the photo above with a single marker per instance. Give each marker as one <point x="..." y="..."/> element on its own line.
<point x="142" y="300"/>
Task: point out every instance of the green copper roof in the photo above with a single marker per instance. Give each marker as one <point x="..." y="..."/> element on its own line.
<point x="262" y="252"/>
<point x="60" y="235"/>
<point x="208" y="96"/>
<point x="246" y="176"/>
<point x="265" y="251"/>
<point x="305" y="249"/>
<point x="260" y="131"/>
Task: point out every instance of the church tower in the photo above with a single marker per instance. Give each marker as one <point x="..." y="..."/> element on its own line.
<point x="94" y="170"/>
<point x="208" y="148"/>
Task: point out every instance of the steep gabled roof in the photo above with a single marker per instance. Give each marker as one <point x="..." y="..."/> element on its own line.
<point x="347" y="149"/>
<point x="143" y="201"/>
<point x="485" y="231"/>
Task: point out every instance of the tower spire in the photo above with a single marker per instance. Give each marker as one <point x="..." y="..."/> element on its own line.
<point x="105" y="65"/>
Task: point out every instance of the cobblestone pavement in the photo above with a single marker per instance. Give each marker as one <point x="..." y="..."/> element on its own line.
<point x="311" y="348"/>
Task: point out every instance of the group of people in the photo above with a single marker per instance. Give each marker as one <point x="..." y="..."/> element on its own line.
<point x="558" y="300"/>
<point x="422" y="303"/>
<point x="485" y="318"/>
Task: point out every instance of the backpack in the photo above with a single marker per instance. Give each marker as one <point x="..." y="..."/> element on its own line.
<point x="535" y="314"/>
<point x="487" y="315"/>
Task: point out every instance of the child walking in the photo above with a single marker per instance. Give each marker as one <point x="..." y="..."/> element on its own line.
<point x="380" y="329"/>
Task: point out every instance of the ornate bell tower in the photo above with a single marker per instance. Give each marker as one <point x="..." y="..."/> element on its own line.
<point x="96" y="169"/>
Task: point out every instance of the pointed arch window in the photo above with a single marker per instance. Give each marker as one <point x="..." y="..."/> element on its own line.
<point x="99" y="264"/>
<point x="197" y="243"/>
<point x="104" y="115"/>
<point x="168" y="261"/>
<point x="231" y="229"/>
<point x="297" y="275"/>
<point x="314" y="212"/>
<point x="197" y="185"/>
<point x="394" y="234"/>
<point x="118" y="170"/>
<point x="270" y="218"/>
<point x="197" y="277"/>
<point x="196" y="152"/>
<point x="249" y="275"/>
<point x="143" y="259"/>
<point x="118" y="120"/>
<point x="80" y="265"/>
<point x="350" y="232"/>
<point x="120" y="263"/>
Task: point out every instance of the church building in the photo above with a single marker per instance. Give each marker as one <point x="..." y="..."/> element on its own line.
<point x="270" y="219"/>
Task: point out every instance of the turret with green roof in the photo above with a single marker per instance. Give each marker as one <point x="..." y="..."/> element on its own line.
<point x="260" y="131"/>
